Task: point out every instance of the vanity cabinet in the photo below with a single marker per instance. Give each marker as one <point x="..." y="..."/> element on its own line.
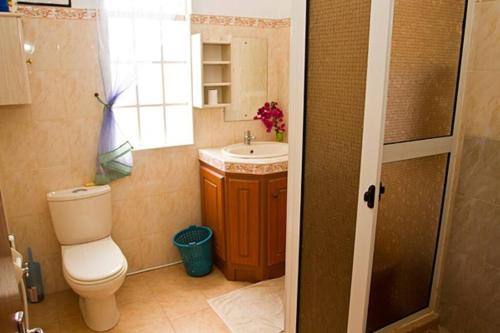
<point x="247" y="214"/>
<point x="276" y="216"/>
<point x="14" y="82"/>
<point x="212" y="205"/>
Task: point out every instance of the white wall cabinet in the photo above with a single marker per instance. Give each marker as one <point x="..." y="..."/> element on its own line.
<point x="211" y="69"/>
<point x="14" y="82"/>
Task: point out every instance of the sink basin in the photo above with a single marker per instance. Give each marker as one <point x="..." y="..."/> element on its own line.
<point x="257" y="149"/>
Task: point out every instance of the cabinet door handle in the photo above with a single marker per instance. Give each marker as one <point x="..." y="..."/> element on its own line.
<point x="276" y="194"/>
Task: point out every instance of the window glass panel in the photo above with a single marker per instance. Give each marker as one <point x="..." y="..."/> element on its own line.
<point x="177" y="83"/>
<point x="123" y="76"/>
<point x="175" y="40"/>
<point x="127" y="122"/>
<point x="148" y="40"/>
<point x="149" y="53"/>
<point x="179" y="125"/>
<point x="149" y="82"/>
<point x="152" y="126"/>
<point x="118" y="5"/>
<point x="148" y="5"/>
<point x="121" y="46"/>
<point x="174" y="7"/>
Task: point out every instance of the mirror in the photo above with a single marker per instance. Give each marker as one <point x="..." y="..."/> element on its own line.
<point x="248" y="76"/>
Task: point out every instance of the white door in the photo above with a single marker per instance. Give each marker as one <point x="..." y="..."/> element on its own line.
<point x="411" y="109"/>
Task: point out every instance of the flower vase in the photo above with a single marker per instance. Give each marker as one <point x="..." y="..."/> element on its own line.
<point x="280" y="136"/>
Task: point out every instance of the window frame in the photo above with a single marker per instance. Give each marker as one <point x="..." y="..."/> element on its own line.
<point x="163" y="63"/>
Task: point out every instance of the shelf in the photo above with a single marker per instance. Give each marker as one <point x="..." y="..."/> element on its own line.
<point x="222" y="105"/>
<point x="217" y="42"/>
<point x="216" y="84"/>
<point x="217" y="62"/>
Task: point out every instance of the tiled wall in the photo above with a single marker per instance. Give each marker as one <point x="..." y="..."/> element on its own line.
<point x="470" y="298"/>
<point x="51" y="144"/>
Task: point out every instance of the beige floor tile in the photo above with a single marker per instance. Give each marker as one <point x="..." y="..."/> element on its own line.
<point x="168" y="279"/>
<point x="216" y="284"/>
<point x="74" y="324"/>
<point x="44" y="313"/>
<point x="49" y="328"/>
<point x="139" y="314"/>
<point x="67" y="304"/>
<point x="160" y="326"/>
<point x="165" y="300"/>
<point x="181" y="302"/>
<point x="135" y="288"/>
<point x="205" y="321"/>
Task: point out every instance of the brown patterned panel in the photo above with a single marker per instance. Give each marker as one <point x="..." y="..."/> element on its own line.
<point x="425" y="52"/>
<point x="336" y="79"/>
<point x="407" y="230"/>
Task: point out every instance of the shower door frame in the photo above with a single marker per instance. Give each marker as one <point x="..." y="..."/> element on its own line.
<point x="375" y="153"/>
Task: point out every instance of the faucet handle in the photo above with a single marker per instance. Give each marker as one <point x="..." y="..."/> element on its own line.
<point x="248" y="137"/>
<point x="248" y="134"/>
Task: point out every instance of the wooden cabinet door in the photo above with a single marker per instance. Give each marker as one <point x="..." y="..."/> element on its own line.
<point x="212" y="204"/>
<point x="276" y="220"/>
<point x="243" y="221"/>
<point x="13" y="71"/>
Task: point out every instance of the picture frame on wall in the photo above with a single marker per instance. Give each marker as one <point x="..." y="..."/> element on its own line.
<point x="56" y="3"/>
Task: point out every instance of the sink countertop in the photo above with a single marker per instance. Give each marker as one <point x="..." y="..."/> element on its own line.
<point x="257" y="166"/>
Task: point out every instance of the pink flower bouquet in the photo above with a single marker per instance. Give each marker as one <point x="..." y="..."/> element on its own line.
<point x="272" y="118"/>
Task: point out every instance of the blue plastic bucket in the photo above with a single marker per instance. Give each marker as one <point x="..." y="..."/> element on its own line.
<point x="195" y="246"/>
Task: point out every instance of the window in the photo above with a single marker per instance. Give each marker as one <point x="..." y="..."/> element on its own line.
<point x="149" y="45"/>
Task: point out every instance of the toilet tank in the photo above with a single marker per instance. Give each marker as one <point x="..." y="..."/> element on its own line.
<point x="81" y="214"/>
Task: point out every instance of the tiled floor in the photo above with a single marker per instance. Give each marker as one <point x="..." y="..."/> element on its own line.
<point x="165" y="300"/>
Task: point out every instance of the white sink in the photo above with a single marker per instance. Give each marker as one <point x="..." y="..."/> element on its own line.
<point x="258" y="149"/>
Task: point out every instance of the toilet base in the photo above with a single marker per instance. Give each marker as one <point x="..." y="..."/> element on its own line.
<point x="100" y="314"/>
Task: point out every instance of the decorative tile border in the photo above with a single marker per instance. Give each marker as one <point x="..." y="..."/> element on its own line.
<point x="246" y="168"/>
<point x="240" y="21"/>
<point x="57" y="12"/>
<point x="90" y="14"/>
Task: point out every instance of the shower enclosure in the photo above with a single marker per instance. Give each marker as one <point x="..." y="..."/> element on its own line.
<point x="382" y="102"/>
<point x="423" y="75"/>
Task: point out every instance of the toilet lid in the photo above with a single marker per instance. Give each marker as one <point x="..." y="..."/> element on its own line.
<point x="93" y="261"/>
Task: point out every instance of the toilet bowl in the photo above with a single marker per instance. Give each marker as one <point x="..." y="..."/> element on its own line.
<point x="95" y="271"/>
<point x="93" y="264"/>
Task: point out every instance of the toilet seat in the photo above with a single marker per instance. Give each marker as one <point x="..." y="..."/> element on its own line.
<point x="94" y="262"/>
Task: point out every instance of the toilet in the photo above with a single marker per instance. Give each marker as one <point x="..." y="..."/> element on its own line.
<point x="93" y="264"/>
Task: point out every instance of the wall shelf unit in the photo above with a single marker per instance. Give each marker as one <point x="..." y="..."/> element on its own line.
<point x="211" y="70"/>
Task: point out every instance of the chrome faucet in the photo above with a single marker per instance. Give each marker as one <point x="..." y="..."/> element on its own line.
<point x="248" y="137"/>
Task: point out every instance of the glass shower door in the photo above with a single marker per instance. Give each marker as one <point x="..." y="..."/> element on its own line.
<point x="426" y="47"/>
<point x="414" y="63"/>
